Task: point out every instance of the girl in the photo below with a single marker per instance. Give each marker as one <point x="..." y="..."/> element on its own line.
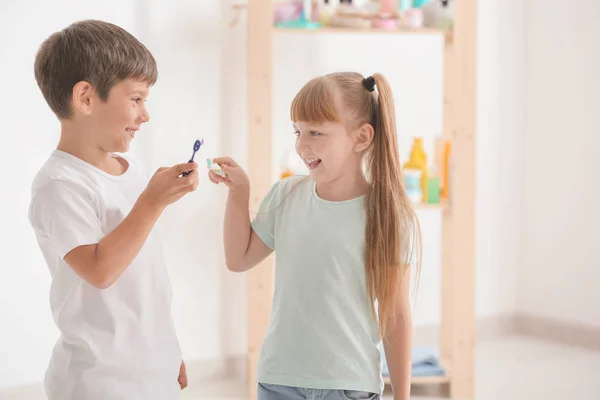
<point x="343" y="237"/>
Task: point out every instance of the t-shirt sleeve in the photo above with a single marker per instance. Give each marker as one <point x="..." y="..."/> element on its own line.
<point x="264" y="221"/>
<point x="67" y="213"/>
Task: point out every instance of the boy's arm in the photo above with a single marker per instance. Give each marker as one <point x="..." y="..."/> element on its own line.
<point x="398" y="341"/>
<point x="66" y="213"/>
<point x="243" y="248"/>
<point x="101" y="264"/>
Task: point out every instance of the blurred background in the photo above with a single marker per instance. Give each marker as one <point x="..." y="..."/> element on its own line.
<point x="537" y="245"/>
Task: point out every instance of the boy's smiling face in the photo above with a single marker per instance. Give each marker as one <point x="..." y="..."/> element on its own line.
<point x="114" y="122"/>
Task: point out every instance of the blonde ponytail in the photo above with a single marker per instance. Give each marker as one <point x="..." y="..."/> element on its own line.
<point x="392" y="227"/>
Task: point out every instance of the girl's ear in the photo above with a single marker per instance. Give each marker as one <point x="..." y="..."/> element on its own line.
<point x="363" y="137"/>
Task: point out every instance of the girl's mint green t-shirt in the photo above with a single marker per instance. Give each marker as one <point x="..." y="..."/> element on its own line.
<point x="322" y="333"/>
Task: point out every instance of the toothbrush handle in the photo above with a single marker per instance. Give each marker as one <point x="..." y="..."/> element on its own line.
<point x="188" y="172"/>
<point x="191" y="160"/>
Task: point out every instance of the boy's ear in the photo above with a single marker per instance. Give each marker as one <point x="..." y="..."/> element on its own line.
<point x="363" y="137"/>
<point x="82" y="97"/>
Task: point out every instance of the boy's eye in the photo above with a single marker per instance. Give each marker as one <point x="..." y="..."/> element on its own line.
<point x="297" y="133"/>
<point x="137" y="99"/>
<point x="313" y="133"/>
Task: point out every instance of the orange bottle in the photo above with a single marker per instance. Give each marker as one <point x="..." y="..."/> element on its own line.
<point x="446" y="161"/>
<point x="287" y="164"/>
<point x="286" y="173"/>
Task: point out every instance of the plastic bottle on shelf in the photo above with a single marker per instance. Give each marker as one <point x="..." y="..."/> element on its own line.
<point x="405" y="5"/>
<point x="418" y="161"/>
<point x="433" y="186"/>
<point x="446" y="175"/>
<point x="327" y="10"/>
<point x="388" y="8"/>
<point x="412" y="185"/>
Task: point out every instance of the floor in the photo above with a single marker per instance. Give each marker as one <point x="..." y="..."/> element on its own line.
<point x="511" y="368"/>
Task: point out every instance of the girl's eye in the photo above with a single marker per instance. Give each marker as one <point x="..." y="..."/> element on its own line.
<point x="137" y="99"/>
<point x="312" y="133"/>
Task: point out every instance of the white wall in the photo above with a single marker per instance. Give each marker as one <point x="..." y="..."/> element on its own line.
<point x="561" y="246"/>
<point x="201" y="92"/>
<point x="500" y="124"/>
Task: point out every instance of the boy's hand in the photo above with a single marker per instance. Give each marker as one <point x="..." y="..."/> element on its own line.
<point x="167" y="185"/>
<point x="183" y="381"/>
<point x="236" y="179"/>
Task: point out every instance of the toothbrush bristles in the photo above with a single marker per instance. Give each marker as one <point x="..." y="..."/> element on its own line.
<point x="197" y="144"/>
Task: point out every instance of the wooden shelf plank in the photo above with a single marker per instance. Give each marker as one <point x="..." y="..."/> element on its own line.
<point x="448" y="36"/>
<point x="425" y="206"/>
<point x="464" y="200"/>
<point x="325" y="30"/>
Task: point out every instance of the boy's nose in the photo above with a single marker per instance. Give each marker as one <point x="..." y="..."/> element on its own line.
<point x="145" y="116"/>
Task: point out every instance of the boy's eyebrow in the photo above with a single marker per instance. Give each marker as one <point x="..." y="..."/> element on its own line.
<point x="142" y="92"/>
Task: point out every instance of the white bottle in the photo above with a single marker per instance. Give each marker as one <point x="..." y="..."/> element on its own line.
<point x="327" y="9"/>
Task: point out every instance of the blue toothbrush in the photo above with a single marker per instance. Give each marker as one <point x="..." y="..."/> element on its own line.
<point x="199" y="142"/>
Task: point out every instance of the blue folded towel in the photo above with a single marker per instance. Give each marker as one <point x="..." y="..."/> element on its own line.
<point x="425" y="362"/>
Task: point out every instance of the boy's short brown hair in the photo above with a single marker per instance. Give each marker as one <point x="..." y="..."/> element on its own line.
<point x="97" y="52"/>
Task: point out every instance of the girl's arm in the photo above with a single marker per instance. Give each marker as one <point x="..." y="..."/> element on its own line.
<point x="398" y="341"/>
<point x="243" y="248"/>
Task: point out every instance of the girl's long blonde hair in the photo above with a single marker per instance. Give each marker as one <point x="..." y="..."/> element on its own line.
<point x="392" y="233"/>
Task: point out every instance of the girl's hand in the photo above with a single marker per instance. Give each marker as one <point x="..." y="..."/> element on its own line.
<point x="236" y="180"/>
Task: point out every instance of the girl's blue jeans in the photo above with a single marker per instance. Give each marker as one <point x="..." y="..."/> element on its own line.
<point x="277" y="392"/>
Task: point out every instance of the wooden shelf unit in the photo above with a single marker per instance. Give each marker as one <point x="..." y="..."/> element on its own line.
<point x="457" y="327"/>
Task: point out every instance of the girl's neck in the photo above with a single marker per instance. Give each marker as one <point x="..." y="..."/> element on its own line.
<point x="345" y="187"/>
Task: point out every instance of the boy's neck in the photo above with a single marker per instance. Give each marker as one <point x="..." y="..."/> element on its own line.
<point x="345" y="187"/>
<point x="77" y="142"/>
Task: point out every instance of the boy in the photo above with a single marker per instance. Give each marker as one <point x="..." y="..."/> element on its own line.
<point x="93" y="213"/>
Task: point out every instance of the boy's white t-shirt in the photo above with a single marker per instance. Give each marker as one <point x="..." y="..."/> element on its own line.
<point x="118" y="343"/>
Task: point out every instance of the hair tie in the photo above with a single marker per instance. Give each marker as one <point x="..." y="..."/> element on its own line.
<point x="369" y="83"/>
